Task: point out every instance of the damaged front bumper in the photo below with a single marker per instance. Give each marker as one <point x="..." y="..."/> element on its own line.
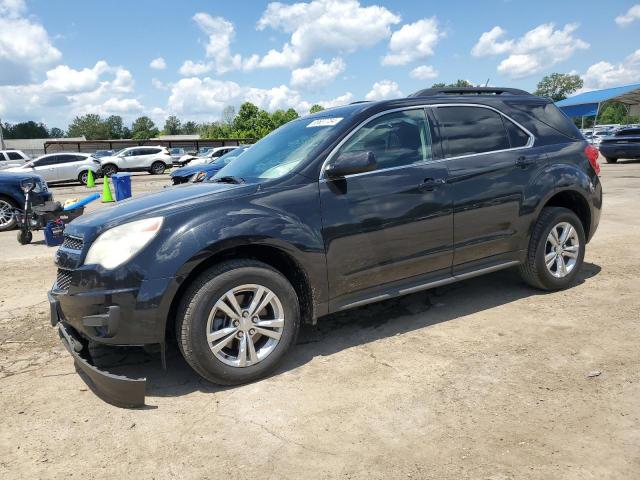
<point x="115" y="389"/>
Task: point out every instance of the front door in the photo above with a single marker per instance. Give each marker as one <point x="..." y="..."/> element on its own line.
<point x="393" y="223"/>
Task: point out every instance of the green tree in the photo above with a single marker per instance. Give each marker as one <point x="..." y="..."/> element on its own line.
<point x="143" y="128"/>
<point x="56" y="132"/>
<point x="558" y="86"/>
<point x="457" y="84"/>
<point x="126" y="132"/>
<point x="114" y="126"/>
<point x="280" y="117"/>
<point x="28" y="129"/>
<point x="171" y="126"/>
<point x="615" y="112"/>
<point x="316" y="108"/>
<point x="189" y="128"/>
<point x="89" y="125"/>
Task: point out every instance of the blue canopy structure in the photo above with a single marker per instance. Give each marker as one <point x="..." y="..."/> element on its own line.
<point x="588" y="104"/>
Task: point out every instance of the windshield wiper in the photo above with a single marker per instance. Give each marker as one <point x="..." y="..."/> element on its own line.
<point x="228" y="179"/>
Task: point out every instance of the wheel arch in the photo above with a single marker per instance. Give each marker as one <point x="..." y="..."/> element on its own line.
<point x="271" y="255"/>
<point x="574" y="201"/>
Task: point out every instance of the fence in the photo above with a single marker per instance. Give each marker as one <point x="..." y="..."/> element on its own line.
<point x="90" y="146"/>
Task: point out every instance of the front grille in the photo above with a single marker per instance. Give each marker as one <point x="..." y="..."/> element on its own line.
<point x="63" y="280"/>
<point x="72" y="243"/>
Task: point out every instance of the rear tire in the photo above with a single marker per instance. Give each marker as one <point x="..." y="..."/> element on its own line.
<point x="157" y="168"/>
<point x="542" y="268"/>
<point x="203" y="322"/>
<point x="611" y="160"/>
<point x="7" y="217"/>
<point x="83" y="178"/>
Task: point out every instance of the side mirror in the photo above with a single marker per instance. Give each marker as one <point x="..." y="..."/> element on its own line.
<point x="350" y="163"/>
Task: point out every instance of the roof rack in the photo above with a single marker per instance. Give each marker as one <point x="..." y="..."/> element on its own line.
<point x="432" y="92"/>
<point x="360" y="101"/>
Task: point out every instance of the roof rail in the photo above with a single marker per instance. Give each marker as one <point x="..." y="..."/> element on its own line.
<point x="432" y="92"/>
<point x="360" y="101"/>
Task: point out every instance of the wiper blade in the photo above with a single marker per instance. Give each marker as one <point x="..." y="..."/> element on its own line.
<point x="228" y="179"/>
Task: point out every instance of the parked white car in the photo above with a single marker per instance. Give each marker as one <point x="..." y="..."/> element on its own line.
<point x="154" y="160"/>
<point x="62" y="167"/>
<point x="12" y="158"/>
<point x="215" y="152"/>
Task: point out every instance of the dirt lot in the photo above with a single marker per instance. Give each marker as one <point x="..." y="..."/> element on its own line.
<point x="485" y="379"/>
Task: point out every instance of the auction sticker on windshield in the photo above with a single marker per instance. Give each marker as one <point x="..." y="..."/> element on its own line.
<point x="324" y="122"/>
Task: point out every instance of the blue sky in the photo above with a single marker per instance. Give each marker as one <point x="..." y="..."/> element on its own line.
<point x="60" y="58"/>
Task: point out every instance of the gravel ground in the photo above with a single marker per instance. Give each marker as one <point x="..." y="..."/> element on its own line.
<point x="482" y="379"/>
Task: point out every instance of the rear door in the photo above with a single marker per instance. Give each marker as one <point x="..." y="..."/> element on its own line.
<point x="490" y="162"/>
<point x="391" y="224"/>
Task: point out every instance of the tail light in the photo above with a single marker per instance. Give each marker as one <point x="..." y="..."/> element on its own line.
<point x="592" y="154"/>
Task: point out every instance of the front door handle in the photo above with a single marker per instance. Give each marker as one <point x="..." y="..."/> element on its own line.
<point x="430" y="184"/>
<point x="524" y="162"/>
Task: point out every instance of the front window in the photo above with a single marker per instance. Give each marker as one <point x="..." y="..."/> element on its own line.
<point x="282" y="150"/>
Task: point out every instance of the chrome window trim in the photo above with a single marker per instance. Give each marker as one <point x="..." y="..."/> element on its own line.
<point x="529" y="144"/>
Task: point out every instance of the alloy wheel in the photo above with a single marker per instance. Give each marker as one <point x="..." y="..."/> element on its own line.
<point x="6" y="213"/>
<point x="245" y="325"/>
<point x="561" y="250"/>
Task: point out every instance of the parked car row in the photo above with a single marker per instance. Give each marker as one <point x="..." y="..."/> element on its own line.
<point x="623" y="143"/>
<point x="207" y="168"/>
<point x="203" y="156"/>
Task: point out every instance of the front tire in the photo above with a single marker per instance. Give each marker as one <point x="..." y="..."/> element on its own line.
<point x="108" y="170"/>
<point x="556" y="250"/>
<point x="611" y="160"/>
<point x="237" y="321"/>
<point x="7" y="216"/>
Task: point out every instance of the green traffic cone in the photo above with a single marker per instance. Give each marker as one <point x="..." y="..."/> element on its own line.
<point x="91" y="182"/>
<point x="106" y="191"/>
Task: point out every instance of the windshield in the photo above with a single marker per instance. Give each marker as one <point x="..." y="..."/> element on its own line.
<point x="119" y="152"/>
<point x="282" y="150"/>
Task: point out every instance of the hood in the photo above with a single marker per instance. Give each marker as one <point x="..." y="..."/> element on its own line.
<point x="167" y="202"/>
<point x="16" y="174"/>
<point x="191" y="169"/>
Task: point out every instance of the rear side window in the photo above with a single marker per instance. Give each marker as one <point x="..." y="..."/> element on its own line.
<point x="2" y="159"/>
<point x="472" y="130"/>
<point x="14" y="156"/>
<point x="628" y="131"/>
<point x="517" y="136"/>
<point x="550" y="115"/>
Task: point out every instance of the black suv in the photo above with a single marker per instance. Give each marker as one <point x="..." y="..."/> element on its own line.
<point x="332" y="211"/>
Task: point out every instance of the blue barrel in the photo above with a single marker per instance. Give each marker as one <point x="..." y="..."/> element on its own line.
<point x="122" y="185"/>
<point x="54" y="233"/>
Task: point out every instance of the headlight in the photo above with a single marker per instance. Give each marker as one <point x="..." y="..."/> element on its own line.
<point x="118" y="244"/>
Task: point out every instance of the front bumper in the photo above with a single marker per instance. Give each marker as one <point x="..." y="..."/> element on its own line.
<point x="115" y="389"/>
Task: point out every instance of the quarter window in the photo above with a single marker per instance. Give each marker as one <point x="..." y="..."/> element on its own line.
<point x="396" y="139"/>
<point x="517" y="136"/>
<point x="471" y="130"/>
<point x="14" y="156"/>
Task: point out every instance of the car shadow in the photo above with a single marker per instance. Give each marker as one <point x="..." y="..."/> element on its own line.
<point x="336" y="332"/>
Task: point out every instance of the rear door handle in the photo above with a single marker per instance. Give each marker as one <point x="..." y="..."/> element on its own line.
<point x="524" y="162"/>
<point x="430" y="184"/>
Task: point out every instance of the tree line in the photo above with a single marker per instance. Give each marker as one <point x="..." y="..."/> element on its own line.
<point x="253" y="122"/>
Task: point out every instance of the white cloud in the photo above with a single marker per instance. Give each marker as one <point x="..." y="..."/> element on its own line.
<point x="628" y="18"/>
<point x="384" y="90"/>
<point x="317" y="75"/>
<point x="101" y="89"/>
<point x="604" y="74"/>
<point x="158" y="64"/>
<point x="489" y="43"/>
<point x="424" y="72"/>
<point x="338" y="26"/>
<point x="25" y="47"/>
<point x="159" y="84"/>
<point x="414" y="41"/>
<point x="220" y="33"/>
<point x="536" y="50"/>
<point x="205" y="98"/>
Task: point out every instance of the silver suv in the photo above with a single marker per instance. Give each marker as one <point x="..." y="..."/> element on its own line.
<point x="12" y="158"/>
<point x="154" y="160"/>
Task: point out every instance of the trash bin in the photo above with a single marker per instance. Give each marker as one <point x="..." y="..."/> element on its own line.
<point x="121" y="185"/>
